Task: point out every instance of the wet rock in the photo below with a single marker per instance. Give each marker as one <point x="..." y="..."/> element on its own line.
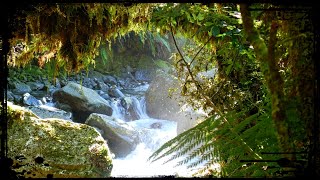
<point x="63" y="81"/>
<point x="63" y="106"/>
<point x="95" y="74"/>
<point x="35" y="85"/>
<point x="105" y="96"/>
<point x="30" y="100"/>
<point x="83" y="101"/>
<point x="115" y="92"/>
<point x="130" y="106"/>
<point x="21" y="88"/>
<point x="155" y="126"/>
<point x="44" y="100"/>
<point x="102" y="86"/>
<point x="93" y="84"/>
<point x="57" y="147"/>
<point x="121" y="137"/>
<point x="47" y="85"/>
<point x="110" y="80"/>
<point x="100" y="92"/>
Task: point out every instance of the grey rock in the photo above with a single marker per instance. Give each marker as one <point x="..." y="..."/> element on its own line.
<point x="83" y="101"/>
<point x="110" y="80"/>
<point x="156" y="126"/>
<point x="95" y="74"/>
<point x="121" y="137"/>
<point x="21" y="88"/>
<point x="50" y="112"/>
<point x="105" y="96"/>
<point x="130" y="106"/>
<point x="35" y="85"/>
<point x="30" y="100"/>
<point x="115" y="92"/>
<point x="63" y="106"/>
<point x="102" y="86"/>
<point x="100" y="92"/>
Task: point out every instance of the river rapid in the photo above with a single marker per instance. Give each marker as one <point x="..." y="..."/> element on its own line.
<point x="136" y="164"/>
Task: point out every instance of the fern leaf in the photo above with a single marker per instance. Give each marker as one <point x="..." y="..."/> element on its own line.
<point x="163" y="41"/>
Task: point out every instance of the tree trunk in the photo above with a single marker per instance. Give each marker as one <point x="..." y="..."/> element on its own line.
<point x="274" y="82"/>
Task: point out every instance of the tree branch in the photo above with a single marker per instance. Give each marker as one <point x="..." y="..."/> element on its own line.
<point x="200" y="50"/>
<point x="209" y="101"/>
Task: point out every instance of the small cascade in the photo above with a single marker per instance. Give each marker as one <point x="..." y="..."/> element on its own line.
<point x="140" y="107"/>
<point x="118" y="110"/>
<point x="153" y="133"/>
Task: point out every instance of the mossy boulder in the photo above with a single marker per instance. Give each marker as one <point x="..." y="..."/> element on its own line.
<point x="55" y="148"/>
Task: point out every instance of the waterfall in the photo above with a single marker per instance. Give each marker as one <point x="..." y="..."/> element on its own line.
<point x="153" y="134"/>
<point x="140" y="107"/>
<point x="118" y="110"/>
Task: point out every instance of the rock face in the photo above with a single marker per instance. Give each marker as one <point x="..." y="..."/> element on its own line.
<point x="162" y="106"/>
<point x="55" y="148"/>
<point x="82" y="101"/>
<point x="121" y="137"/>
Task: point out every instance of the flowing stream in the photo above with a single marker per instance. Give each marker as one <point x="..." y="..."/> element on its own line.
<point x="136" y="163"/>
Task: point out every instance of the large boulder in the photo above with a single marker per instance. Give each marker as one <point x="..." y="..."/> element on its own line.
<point x="164" y="103"/>
<point x="55" y="148"/>
<point x="82" y="101"/>
<point x="121" y="138"/>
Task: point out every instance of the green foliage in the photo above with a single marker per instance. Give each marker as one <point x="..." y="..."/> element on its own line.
<point x="225" y="140"/>
<point x="68" y="37"/>
<point x="105" y="54"/>
<point x="73" y="32"/>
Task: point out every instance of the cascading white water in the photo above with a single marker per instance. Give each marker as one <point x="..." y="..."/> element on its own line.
<point x="136" y="163"/>
<point x="153" y="133"/>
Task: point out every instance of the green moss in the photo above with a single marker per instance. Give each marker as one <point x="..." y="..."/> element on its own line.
<point x="70" y="149"/>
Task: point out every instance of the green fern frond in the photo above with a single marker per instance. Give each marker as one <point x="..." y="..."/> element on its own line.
<point x="163" y="41"/>
<point x="226" y="139"/>
<point x="178" y="141"/>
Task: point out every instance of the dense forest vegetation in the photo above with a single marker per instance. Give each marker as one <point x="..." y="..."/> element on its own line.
<point x="263" y="121"/>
